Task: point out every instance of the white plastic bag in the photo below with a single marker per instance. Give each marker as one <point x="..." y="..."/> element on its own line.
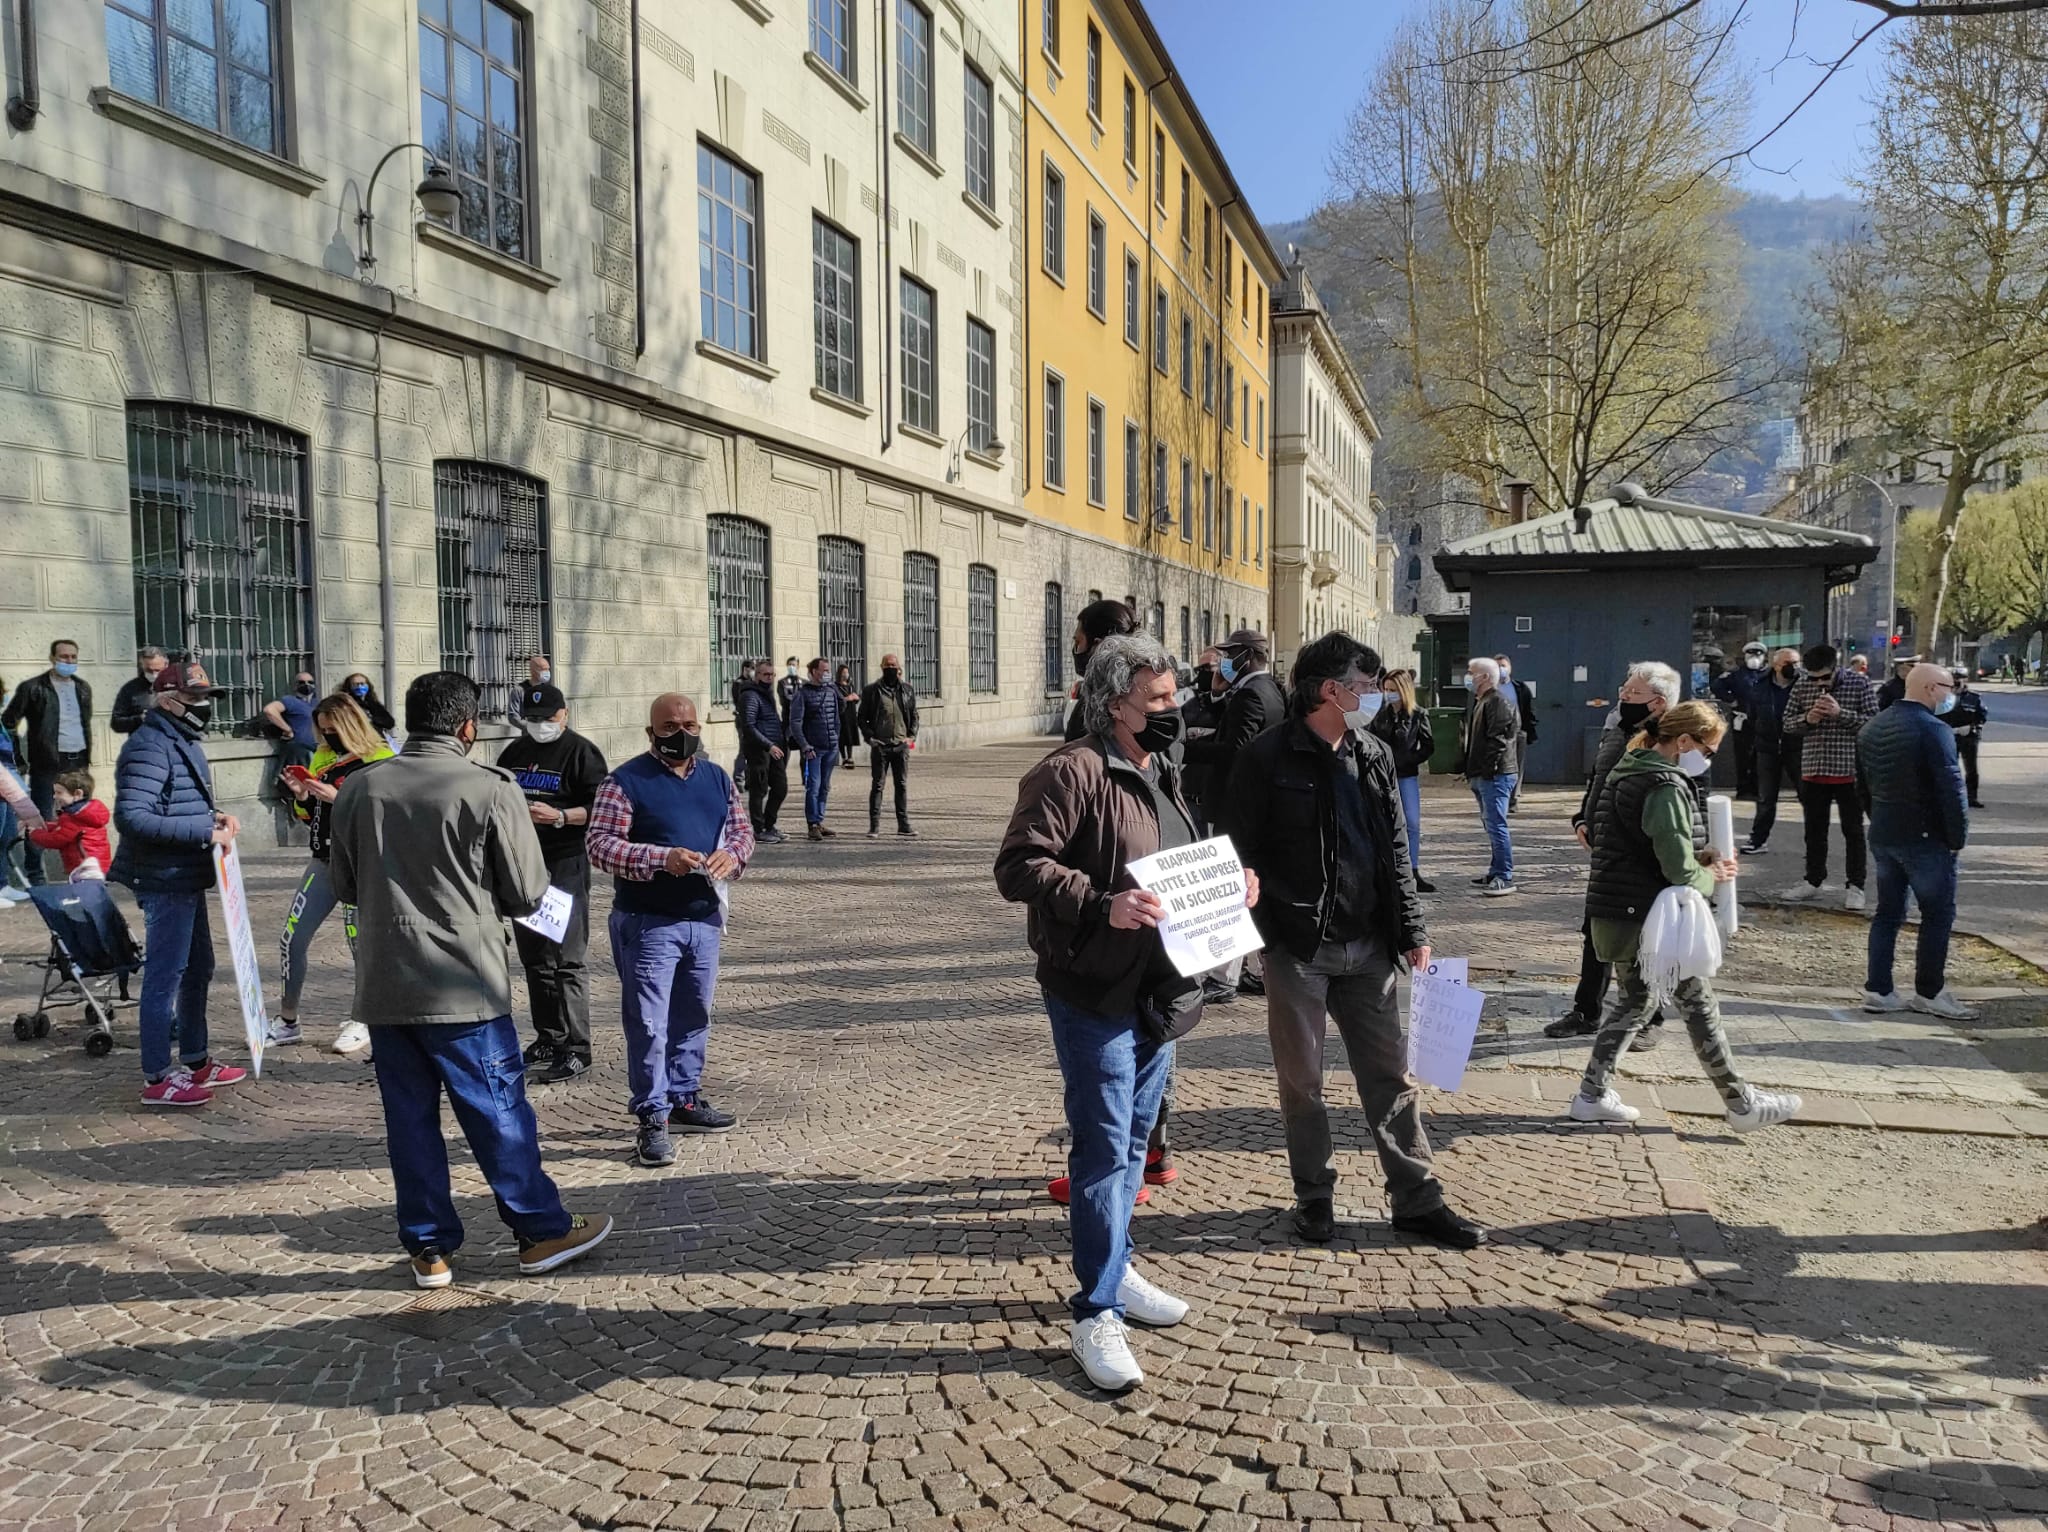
<point x="1680" y="941"/>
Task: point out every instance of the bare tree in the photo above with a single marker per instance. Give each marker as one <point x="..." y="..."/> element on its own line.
<point x="1933" y="330"/>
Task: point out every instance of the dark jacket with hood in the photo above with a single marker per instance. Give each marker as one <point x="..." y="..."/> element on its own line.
<point x="1286" y="831"/>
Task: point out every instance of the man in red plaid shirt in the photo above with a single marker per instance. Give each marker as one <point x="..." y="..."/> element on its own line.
<point x="672" y="830"/>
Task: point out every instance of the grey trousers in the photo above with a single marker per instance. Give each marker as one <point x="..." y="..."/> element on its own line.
<point x="1352" y="983"/>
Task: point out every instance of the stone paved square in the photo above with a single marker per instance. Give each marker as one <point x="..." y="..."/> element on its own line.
<point x="849" y="1312"/>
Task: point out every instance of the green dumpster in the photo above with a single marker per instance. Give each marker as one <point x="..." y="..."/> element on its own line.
<point x="1443" y="727"/>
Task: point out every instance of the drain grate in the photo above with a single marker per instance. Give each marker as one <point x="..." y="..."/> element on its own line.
<point x="443" y="1313"/>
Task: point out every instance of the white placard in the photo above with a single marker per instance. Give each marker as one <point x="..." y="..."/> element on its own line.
<point x="551" y="917"/>
<point x="1206" y="920"/>
<point x="234" y="911"/>
<point x="1450" y="970"/>
<point x="1443" y="1019"/>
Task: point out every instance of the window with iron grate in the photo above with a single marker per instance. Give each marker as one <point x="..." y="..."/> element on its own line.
<point x="981" y="628"/>
<point x="736" y="571"/>
<point x="843" y="605"/>
<point x="491" y="570"/>
<point x="222" y="549"/>
<point x="1055" y="640"/>
<point x="921" y="622"/>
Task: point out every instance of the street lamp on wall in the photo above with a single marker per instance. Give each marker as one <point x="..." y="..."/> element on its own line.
<point x="439" y="197"/>
<point x="992" y="448"/>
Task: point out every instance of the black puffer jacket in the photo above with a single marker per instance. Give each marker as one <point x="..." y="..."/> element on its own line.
<point x="1407" y="735"/>
<point x="1626" y="876"/>
<point x="1285" y="829"/>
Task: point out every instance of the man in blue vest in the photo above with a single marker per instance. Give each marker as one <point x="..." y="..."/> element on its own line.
<point x="672" y="830"/>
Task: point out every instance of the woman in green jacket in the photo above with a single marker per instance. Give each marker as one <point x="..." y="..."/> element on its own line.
<point x="1649" y="833"/>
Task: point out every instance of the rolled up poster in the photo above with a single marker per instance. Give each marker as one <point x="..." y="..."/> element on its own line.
<point x="1721" y="841"/>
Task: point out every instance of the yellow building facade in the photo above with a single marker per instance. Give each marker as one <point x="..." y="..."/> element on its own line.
<point x="1146" y="369"/>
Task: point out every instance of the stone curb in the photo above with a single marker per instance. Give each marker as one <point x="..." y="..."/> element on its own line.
<point x="1901" y="1115"/>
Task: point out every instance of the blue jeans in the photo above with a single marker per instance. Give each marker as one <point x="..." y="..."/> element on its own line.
<point x="668" y="969"/>
<point x="1115" y="1078"/>
<point x="818" y="784"/>
<point x="479" y="1067"/>
<point x="1411" y="810"/>
<point x="1493" y="794"/>
<point x="1929" y="869"/>
<point x="177" y="966"/>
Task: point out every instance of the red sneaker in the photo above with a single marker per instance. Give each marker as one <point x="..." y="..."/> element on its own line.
<point x="176" y="1089"/>
<point x="1160" y="1169"/>
<point x="213" y="1075"/>
<point x="1061" y="1191"/>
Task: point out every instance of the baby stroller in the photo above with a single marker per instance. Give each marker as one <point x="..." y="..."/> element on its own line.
<point x="89" y="940"/>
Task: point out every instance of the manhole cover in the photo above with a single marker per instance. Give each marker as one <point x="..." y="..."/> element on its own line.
<point x="443" y="1312"/>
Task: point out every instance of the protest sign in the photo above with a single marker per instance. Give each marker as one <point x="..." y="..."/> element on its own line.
<point x="1443" y="1020"/>
<point x="1450" y="970"/>
<point x="551" y="917"/>
<point x="234" y="910"/>
<point x="1206" y="921"/>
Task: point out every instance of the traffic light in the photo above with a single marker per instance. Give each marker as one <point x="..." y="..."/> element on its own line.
<point x="1895" y="640"/>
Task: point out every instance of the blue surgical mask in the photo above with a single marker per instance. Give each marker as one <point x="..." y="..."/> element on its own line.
<point x="67" y="668"/>
<point x="1228" y="668"/>
<point x="361" y="690"/>
<point x="1946" y="704"/>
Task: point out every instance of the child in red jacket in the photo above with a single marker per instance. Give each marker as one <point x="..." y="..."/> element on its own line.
<point x="78" y="829"/>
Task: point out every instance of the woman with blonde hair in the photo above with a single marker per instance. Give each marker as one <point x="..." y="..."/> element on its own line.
<point x="1404" y="729"/>
<point x="348" y="743"/>
<point x="1650" y="834"/>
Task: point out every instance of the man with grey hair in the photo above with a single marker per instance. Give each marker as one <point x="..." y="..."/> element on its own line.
<point x="1115" y="1001"/>
<point x="1490" y="760"/>
<point x="1651" y="687"/>
<point x="131" y="702"/>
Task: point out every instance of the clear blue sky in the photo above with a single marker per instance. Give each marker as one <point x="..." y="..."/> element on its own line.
<point x="1276" y="94"/>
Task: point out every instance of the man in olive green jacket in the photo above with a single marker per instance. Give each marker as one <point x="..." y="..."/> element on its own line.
<point x="435" y="851"/>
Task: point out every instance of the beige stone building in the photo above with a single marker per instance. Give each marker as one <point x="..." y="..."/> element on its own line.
<point x="717" y="356"/>
<point x="1330" y="568"/>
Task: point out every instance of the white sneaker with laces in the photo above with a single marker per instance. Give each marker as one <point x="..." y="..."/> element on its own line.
<point x="1102" y="1346"/>
<point x="1147" y="1304"/>
<point x="1852" y="898"/>
<point x="1879" y="1005"/>
<point x="354" y="1037"/>
<point x="1766" y="1110"/>
<point x="1945" y="1005"/>
<point x="1608" y="1108"/>
<point x="1799" y="893"/>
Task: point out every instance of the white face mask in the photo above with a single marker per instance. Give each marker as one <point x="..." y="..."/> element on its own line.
<point x="542" y="730"/>
<point x="1753" y="662"/>
<point x="1694" y="763"/>
<point x="1369" y="703"/>
<point x="544" y="678"/>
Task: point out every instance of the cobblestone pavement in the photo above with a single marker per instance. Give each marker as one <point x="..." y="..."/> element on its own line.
<point x="849" y="1312"/>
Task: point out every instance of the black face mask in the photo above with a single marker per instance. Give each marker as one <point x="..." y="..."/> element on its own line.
<point x="1081" y="661"/>
<point x="1634" y="715"/>
<point x="890" y="674"/>
<point x="1204" y="678"/>
<point x="333" y="742"/>
<point x="304" y="688"/>
<point x="198" y="714"/>
<point x="1161" y="731"/>
<point x="677" y="747"/>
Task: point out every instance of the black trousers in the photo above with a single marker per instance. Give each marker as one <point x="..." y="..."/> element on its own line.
<point x="1815" y="798"/>
<point x="888" y="760"/>
<point x="767" y="786"/>
<point x="1745" y="760"/>
<point x="1770" y="781"/>
<point x="1966" y="748"/>
<point x="557" y="981"/>
<point x="1590" y="998"/>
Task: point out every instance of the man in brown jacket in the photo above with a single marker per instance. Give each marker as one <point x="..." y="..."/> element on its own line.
<point x="1490" y="760"/>
<point x="435" y="850"/>
<point x="1083" y="814"/>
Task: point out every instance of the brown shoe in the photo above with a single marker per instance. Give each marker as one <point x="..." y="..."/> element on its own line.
<point x="828" y="834"/>
<point x="430" y="1268"/>
<point x="584" y="1236"/>
<point x="817" y="832"/>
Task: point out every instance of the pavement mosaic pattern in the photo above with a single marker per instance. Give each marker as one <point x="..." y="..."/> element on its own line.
<point x="848" y="1313"/>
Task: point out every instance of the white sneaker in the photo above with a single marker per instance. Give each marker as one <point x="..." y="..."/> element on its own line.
<point x="354" y="1037"/>
<point x="1608" y="1108"/>
<point x="1766" y="1110"/>
<point x="1146" y="1303"/>
<point x="1852" y="898"/>
<point x="1799" y="893"/>
<point x="13" y="895"/>
<point x="1945" y="1005"/>
<point x="1879" y="1005"/>
<point x="280" y="1033"/>
<point x="1103" y="1348"/>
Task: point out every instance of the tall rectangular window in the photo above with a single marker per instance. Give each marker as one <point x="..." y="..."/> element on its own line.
<point x="491" y="557"/>
<point x="473" y="113"/>
<point x="1229" y="395"/>
<point x="1134" y="305"/>
<point x="1246" y="515"/>
<point x="1245" y="420"/>
<point x="920" y="355"/>
<point x="1159" y="323"/>
<point x="1227" y="507"/>
<point x="1187" y="196"/>
<point x="1261" y="545"/>
<point x="1187" y="635"/>
<point x="914" y="73"/>
<point x="1155" y="621"/>
<point x="1208" y="375"/>
<point x="1049" y="35"/>
<point x="1130" y="123"/>
<point x="843" y="605"/>
<point x="981" y="386"/>
<point x="1208" y="628"/>
<point x="1208" y="237"/>
<point x="1134" y="471"/>
<point x="832" y="34"/>
<point x="1094" y="72"/>
<point x="981" y="138"/>
<point x="1055" y="431"/>
<point x="1187" y="353"/>
<point x="1187" y="500"/>
<point x="1055" y="254"/>
<point x="219" y="63"/>
<point x="835" y="309"/>
<point x="921" y="622"/>
<point x="1053" y="638"/>
<point x="728" y="254"/>
<point x="1098" y="266"/>
<point x="1159" y="166"/>
<point x="1262" y="428"/>
<point x="222" y="549"/>
<point x="1229" y="256"/>
<point x="1208" y="509"/>
<point x="1098" y="452"/>
<point x="981" y="628"/>
<point x="1162" y="511"/>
